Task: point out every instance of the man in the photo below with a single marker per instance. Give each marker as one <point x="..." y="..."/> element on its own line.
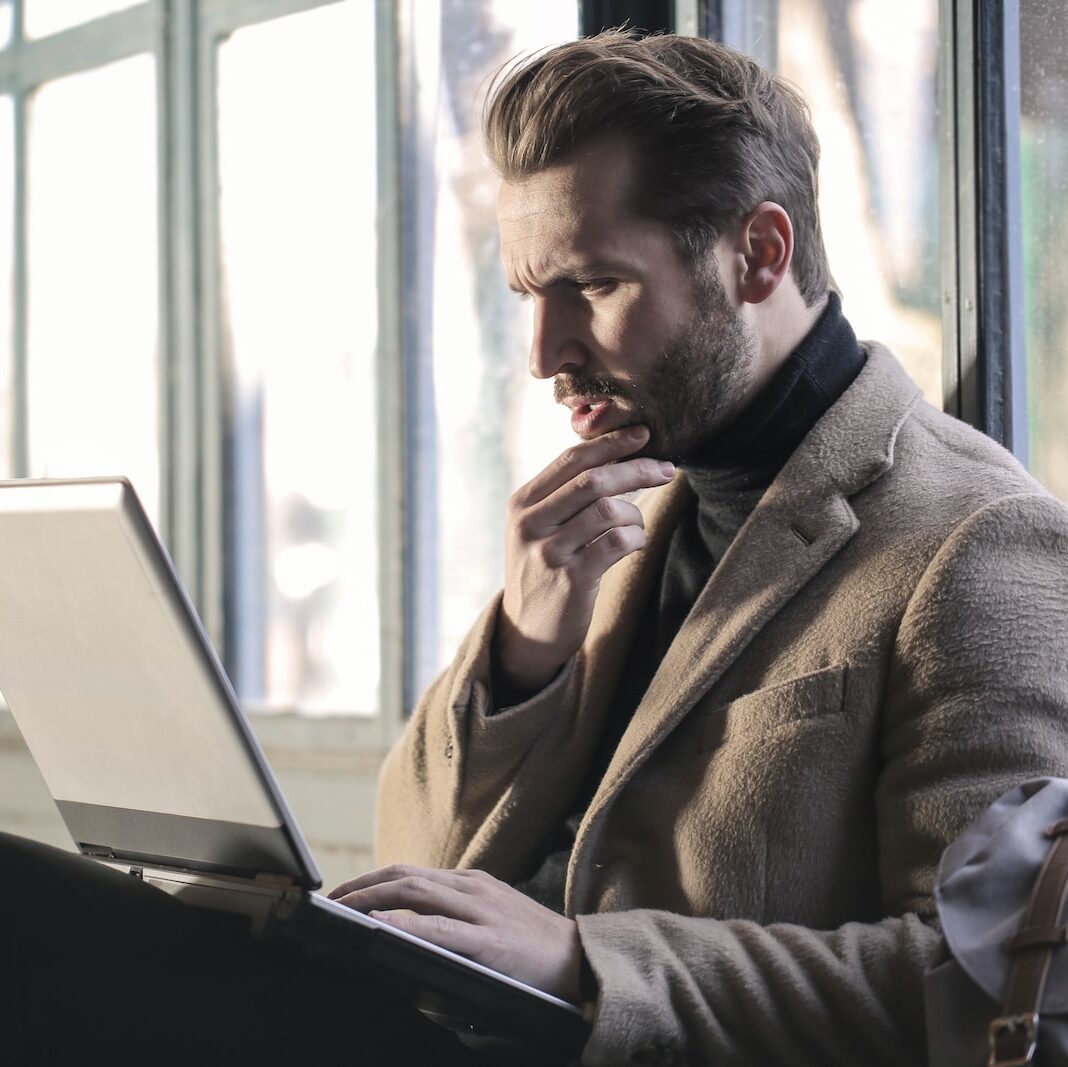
<point x="696" y="765"/>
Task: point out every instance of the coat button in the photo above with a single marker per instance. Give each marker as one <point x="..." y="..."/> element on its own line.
<point x="448" y="749"/>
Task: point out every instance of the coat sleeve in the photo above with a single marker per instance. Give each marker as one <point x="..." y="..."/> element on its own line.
<point x="976" y="701"/>
<point x="452" y="774"/>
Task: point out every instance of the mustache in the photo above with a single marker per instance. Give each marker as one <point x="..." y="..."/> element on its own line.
<point x="565" y="385"/>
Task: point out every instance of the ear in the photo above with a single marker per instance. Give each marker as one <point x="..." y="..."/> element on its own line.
<point x="766" y="244"/>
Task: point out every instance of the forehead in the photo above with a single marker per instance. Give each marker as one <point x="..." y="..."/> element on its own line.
<point x="581" y="207"/>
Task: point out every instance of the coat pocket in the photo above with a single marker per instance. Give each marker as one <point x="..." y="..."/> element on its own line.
<point x="797" y="700"/>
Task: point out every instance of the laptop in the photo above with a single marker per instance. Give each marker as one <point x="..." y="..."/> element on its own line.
<point x="129" y="716"/>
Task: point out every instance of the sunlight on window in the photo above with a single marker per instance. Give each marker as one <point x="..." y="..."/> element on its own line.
<point x="1044" y="161"/>
<point x="496" y="426"/>
<point x="93" y="379"/>
<point x="875" y="113"/>
<point x="6" y="22"/>
<point x="7" y="265"/>
<point x="297" y="201"/>
<point x="44" y="17"/>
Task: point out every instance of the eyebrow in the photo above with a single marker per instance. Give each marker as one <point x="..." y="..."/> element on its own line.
<point x="587" y="272"/>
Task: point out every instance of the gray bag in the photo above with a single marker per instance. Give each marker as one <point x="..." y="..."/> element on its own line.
<point x="997" y="990"/>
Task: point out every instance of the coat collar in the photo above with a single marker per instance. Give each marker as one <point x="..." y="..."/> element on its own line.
<point x="801" y="522"/>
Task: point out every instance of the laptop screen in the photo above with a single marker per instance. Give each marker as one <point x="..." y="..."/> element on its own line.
<point x="120" y="697"/>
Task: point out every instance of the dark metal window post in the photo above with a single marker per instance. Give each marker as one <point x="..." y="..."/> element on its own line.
<point x="982" y="272"/>
<point x="648" y="15"/>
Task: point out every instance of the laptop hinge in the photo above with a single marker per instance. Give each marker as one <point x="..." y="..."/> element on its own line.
<point x="259" y="899"/>
<point x="100" y="851"/>
<point x="276" y="881"/>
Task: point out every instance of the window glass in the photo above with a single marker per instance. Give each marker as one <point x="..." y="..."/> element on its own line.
<point x="7" y="258"/>
<point x="1044" y="186"/>
<point x="297" y="211"/>
<point x="496" y="426"/>
<point x="43" y="17"/>
<point x="92" y="367"/>
<point x="875" y="112"/>
<point x="6" y="19"/>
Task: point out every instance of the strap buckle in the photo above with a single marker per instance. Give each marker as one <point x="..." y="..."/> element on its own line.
<point x="1020" y="1033"/>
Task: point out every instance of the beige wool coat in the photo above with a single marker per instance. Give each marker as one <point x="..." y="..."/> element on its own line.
<point x="882" y="651"/>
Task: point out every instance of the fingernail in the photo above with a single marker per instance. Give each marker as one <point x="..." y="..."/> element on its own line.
<point x="667" y="469"/>
<point x="639" y="430"/>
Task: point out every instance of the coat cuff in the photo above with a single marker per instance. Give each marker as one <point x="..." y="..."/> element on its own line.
<point x="630" y="1024"/>
<point x="495" y="733"/>
<point x="521" y="724"/>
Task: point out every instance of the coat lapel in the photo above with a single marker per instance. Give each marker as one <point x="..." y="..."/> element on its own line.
<point x="625" y="594"/>
<point x="800" y="524"/>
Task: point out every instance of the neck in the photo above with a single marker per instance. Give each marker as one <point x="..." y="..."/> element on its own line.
<point x="758" y="441"/>
<point x="779" y="324"/>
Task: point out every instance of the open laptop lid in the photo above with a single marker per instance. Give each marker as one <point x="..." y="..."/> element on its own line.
<point x="121" y="698"/>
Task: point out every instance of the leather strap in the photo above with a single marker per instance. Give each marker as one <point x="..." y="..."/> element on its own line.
<point x="1014" y="1035"/>
<point x="1038" y="935"/>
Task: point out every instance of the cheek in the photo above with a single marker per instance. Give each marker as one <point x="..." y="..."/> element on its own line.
<point x="631" y="332"/>
<point x="611" y="331"/>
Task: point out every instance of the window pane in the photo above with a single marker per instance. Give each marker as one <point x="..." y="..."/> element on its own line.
<point x="93" y="378"/>
<point x="875" y="112"/>
<point x="496" y="426"/>
<point x="297" y="178"/>
<point x="6" y="13"/>
<point x="7" y="257"/>
<point x="50" y="16"/>
<point x="1044" y="161"/>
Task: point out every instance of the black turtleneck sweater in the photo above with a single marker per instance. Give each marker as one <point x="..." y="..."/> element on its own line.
<point x="728" y="477"/>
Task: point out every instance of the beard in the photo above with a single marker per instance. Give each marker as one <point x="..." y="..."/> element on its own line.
<point x="696" y="384"/>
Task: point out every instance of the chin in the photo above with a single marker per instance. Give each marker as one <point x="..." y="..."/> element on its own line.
<point x="653" y="449"/>
<point x="656" y="447"/>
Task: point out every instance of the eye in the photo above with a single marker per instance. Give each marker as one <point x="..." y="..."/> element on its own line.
<point x="597" y="286"/>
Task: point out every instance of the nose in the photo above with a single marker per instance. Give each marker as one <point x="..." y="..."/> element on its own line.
<point x="556" y="345"/>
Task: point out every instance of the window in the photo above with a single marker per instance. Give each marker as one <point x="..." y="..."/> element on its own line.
<point x="297" y="335"/>
<point x="273" y="299"/>
<point x="92" y="381"/>
<point x="1044" y="192"/>
<point x="495" y="426"/>
<point x="875" y="111"/>
<point x="45" y="17"/>
<point x="7" y="282"/>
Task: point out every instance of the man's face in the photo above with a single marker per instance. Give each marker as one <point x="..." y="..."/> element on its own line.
<point x="622" y="324"/>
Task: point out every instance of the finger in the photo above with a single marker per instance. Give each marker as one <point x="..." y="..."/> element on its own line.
<point x="596" y="484"/>
<point x="453" y="934"/>
<point x="382" y="874"/>
<point x="419" y="894"/>
<point x="607" y="448"/>
<point x="589" y="564"/>
<point x="607" y="513"/>
<point x="396" y="871"/>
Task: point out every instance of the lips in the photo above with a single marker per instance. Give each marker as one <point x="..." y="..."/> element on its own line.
<point x="593" y="415"/>
<point x="586" y="407"/>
